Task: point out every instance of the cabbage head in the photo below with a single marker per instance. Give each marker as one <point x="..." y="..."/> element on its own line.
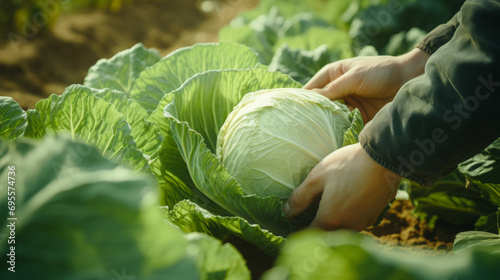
<point x="273" y="138"/>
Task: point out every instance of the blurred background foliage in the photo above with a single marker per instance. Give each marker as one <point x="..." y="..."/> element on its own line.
<point x="27" y="17"/>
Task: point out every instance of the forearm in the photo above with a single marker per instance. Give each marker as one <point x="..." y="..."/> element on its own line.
<point x="448" y="114"/>
<point x="413" y="63"/>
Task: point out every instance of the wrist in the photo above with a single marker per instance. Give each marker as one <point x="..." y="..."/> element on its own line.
<point x="413" y="64"/>
<point x="384" y="176"/>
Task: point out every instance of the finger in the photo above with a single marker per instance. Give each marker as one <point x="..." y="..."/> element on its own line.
<point x="325" y="219"/>
<point x="324" y="76"/>
<point x="341" y="87"/>
<point x="328" y="221"/>
<point x="303" y="196"/>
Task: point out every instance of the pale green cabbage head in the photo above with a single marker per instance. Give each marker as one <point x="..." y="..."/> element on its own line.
<point x="273" y="138"/>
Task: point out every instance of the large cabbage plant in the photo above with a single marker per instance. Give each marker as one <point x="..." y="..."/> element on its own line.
<point x="162" y="116"/>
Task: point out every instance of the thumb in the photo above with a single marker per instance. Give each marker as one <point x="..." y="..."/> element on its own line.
<point x="341" y="87"/>
<point x="302" y="197"/>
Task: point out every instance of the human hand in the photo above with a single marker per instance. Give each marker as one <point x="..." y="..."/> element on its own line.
<point x="354" y="190"/>
<point x="368" y="83"/>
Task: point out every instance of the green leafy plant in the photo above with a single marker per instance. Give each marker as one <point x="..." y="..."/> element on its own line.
<point x="79" y="215"/>
<point x="341" y="254"/>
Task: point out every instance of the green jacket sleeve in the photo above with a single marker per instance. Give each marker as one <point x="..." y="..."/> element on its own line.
<point x="451" y="112"/>
<point x="439" y="36"/>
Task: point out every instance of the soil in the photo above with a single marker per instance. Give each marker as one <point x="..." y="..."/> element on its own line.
<point x="38" y="64"/>
<point x="401" y="228"/>
<point x="50" y="61"/>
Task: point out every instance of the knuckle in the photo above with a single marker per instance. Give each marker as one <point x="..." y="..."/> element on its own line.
<point x="312" y="183"/>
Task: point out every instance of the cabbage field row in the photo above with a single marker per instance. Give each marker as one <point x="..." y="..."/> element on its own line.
<point x="118" y="178"/>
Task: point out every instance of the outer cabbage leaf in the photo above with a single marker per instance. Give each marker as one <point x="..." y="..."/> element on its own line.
<point x="329" y="11"/>
<point x="192" y="218"/>
<point x="486" y="241"/>
<point x="269" y="25"/>
<point x="287" y="8"/>
<point x="347" y="255"/>
<point x="300" y="23"/>
<point x="488" y="223"/>
<point x="171" y="170"/>
<point x="248" y="37"/>
<point x="482" y="171"/>
<point x="484" y="167"/>
<point x="167" y="164"/>
<point x="121" y="71"/>
<point x="95" y="219"/>
<point x="13" y="121"/>
<point x="215" y="260"/>
<point x="195" y="125"/>
<point x="81" y="216"/>
<point x="352" y="133"/>
<point x="300" y="64"/>
<point x="174" y="69"/>
<point x="91" y="120"/>
<point x="145" y="133"/>
<point x="268" y="32"/>
<point x="35" y="128"/>
<point x="450" y="200"/>
<point x="337" y="41"/>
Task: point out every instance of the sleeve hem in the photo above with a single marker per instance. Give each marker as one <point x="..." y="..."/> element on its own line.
<point x="424" y="48"/>
<point x="389" y="166"/>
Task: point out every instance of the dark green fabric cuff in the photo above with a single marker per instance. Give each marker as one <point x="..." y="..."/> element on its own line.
<point x="451" y="112"/>
<point x="439" y="36"/>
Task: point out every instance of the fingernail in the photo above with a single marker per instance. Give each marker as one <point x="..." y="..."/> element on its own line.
<point x="286" y="209"/>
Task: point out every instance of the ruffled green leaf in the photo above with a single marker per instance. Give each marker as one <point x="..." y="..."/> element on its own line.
<point x="174" y="69"/>
<point x="35" y="128"/>
<point x="121" y="71"/>
<point x="300" y="23"/>
<point x="170" y="168"/>
<point x="467" y="240"/>
<point x="485" y="166"/>
<point x="192" y="218"/>
<point x="300" y="64"/>
<point x="346" y="255"/>
<point x="329" y="11"/>
<point x="483" y="170"/>
<point x="92" y="218"/>
<point x="13" y="121"/>
<point x="337" y="41"/>
<point x="449" y="200"/>
<point x="216" y="261"/>
<point x="91" y="120"/>
<point x="352" y="133"/>
<point x="249" y="37"/>
<point x="145" y="133"/>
